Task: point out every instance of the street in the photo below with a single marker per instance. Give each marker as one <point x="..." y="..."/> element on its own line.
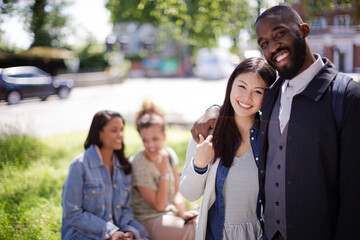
<point x="182" y="99"/>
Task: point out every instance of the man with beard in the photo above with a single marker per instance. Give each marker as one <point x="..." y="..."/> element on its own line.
<point x="308" y="170"/>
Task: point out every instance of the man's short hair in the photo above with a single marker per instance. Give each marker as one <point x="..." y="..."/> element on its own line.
<point x="283" y="11"/>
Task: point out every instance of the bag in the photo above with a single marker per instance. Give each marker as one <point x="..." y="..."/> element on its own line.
<point x="340" y="84"/>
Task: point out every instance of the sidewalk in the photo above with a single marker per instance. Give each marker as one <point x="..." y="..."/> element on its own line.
<point x="100" y="78"/>
<point x="91" y="78"/>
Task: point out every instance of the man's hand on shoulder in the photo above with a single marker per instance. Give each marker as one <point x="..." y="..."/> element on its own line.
<point x="205" y="123"/>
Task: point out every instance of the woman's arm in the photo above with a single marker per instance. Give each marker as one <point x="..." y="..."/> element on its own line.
<point x="158" y="198"/>
<point x="73" y="211"/>
<point x="192" y="183"/>
<point x="127" y="222"/>
<point x="178" y="198"/>
<point x="180" y="203"/>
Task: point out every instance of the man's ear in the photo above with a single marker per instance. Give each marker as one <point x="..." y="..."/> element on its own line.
<point x="305" y="29"/>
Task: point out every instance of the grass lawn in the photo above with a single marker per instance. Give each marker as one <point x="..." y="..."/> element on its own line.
<point x="30" y="191"/>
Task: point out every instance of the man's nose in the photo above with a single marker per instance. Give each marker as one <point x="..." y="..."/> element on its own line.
<point x="273" y="46"/>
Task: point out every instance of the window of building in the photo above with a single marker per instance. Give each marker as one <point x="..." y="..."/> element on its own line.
<point x="342" y="20"/>
<point x="319" y="23"/>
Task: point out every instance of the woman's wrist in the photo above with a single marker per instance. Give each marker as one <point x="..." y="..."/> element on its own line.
<point x="199" y="165"/>
<point x="164" y="177"/>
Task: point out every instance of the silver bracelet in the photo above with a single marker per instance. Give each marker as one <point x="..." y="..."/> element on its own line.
<point x="165" y="177"/>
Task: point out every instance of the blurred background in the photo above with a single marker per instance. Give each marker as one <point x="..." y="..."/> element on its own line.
<point x="118" y="53"/>
<point x="146" y="38"/>
<point x="171" y="45"/>
<point x="92" y="55"/>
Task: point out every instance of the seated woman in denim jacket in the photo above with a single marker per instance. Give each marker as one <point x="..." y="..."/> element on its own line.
<point x="97" y="191"/>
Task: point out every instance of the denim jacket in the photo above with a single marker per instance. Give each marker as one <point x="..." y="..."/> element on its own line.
<point x="90" y="198"/>
<point x="216" y="214"/>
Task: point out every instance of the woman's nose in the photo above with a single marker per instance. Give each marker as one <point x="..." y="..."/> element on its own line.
<point x="247" y="95"/>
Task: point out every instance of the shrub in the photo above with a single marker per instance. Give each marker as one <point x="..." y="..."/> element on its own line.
<point x="19" y="149"/>
<point x="30" y="198"/>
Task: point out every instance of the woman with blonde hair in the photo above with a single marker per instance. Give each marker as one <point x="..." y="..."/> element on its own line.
<point x="157" y="202"/>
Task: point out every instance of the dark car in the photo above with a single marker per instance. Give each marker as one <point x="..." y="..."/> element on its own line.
<point x="17" y="83"/>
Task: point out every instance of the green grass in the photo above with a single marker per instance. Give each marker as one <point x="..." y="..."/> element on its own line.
<point x="31" y="182"/>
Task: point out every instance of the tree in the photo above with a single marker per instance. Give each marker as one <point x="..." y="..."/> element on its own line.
<point x="43" y="18"/>
<point x="311" y="8"/>
<point x="198" y="23"/>
<point x="47" y="22"/>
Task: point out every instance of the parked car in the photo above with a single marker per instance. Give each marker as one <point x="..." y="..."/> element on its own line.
<point x="17" y="83"/>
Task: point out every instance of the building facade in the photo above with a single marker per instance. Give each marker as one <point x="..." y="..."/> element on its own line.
<point x="335" y="33"/>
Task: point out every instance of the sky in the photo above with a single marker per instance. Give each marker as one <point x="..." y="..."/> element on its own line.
<point x="86" y="14"/>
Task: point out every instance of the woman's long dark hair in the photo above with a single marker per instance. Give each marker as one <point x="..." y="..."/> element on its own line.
<point x="227" y="137"/>
<point x="100" y="120"/>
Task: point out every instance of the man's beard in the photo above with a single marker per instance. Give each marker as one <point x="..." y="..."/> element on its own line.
<point x="297" y="58"/>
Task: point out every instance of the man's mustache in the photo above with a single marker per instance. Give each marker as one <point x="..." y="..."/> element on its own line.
<point x="277" y="51"/>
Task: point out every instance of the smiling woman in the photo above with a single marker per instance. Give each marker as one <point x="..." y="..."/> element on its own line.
<point x="97" y="191"/>
<point x="223" y="168"/>
<point x="157" y="202"/>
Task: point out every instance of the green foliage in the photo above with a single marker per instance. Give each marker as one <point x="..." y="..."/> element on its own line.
<point x="44" y="19"/>
<point x="135" y="10"/>
<point x="196" y="22"/>
<point x="30" y="198"/>
<point x="92" y="57"/>
<point x="46" y="22"/>
<point x="18" y="149"/>
<point x="313" y="8"/>
<point x="30" y="202"/>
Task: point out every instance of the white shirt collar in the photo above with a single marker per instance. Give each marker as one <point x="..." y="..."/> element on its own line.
<point x="300" y="82"/>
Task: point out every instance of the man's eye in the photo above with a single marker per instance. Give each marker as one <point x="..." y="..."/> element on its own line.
<point x="263" y="45"/>
<point x="279" y="34"/>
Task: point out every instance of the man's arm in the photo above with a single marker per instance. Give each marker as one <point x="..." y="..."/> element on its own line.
<point x="348" y="224"/>
<point x="206" y="122"/>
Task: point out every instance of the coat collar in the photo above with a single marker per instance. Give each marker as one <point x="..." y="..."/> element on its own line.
<point x="315" y="90"/>
<point x="95" y="160"/>
<point x="321" y="82"/>
<point x="317" y="85"/>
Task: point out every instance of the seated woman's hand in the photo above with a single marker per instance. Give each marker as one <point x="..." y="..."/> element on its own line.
<point x="189" y="216"/>
<point x="163" y="162"/>
<point x="122" y="236"/>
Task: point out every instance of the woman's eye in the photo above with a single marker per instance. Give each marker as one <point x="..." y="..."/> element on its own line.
<point x="242" y="86"/>
<point x="258" y="92"/>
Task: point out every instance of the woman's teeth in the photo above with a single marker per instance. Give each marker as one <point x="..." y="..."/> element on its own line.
<point x="244" y="105"/>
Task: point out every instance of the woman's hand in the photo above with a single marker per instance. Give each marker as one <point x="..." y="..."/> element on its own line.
<point x="162" y="163"/>
<point x="157" y="198"/>
<point x="122" y="236"/>
<point x="204" y="152"/>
